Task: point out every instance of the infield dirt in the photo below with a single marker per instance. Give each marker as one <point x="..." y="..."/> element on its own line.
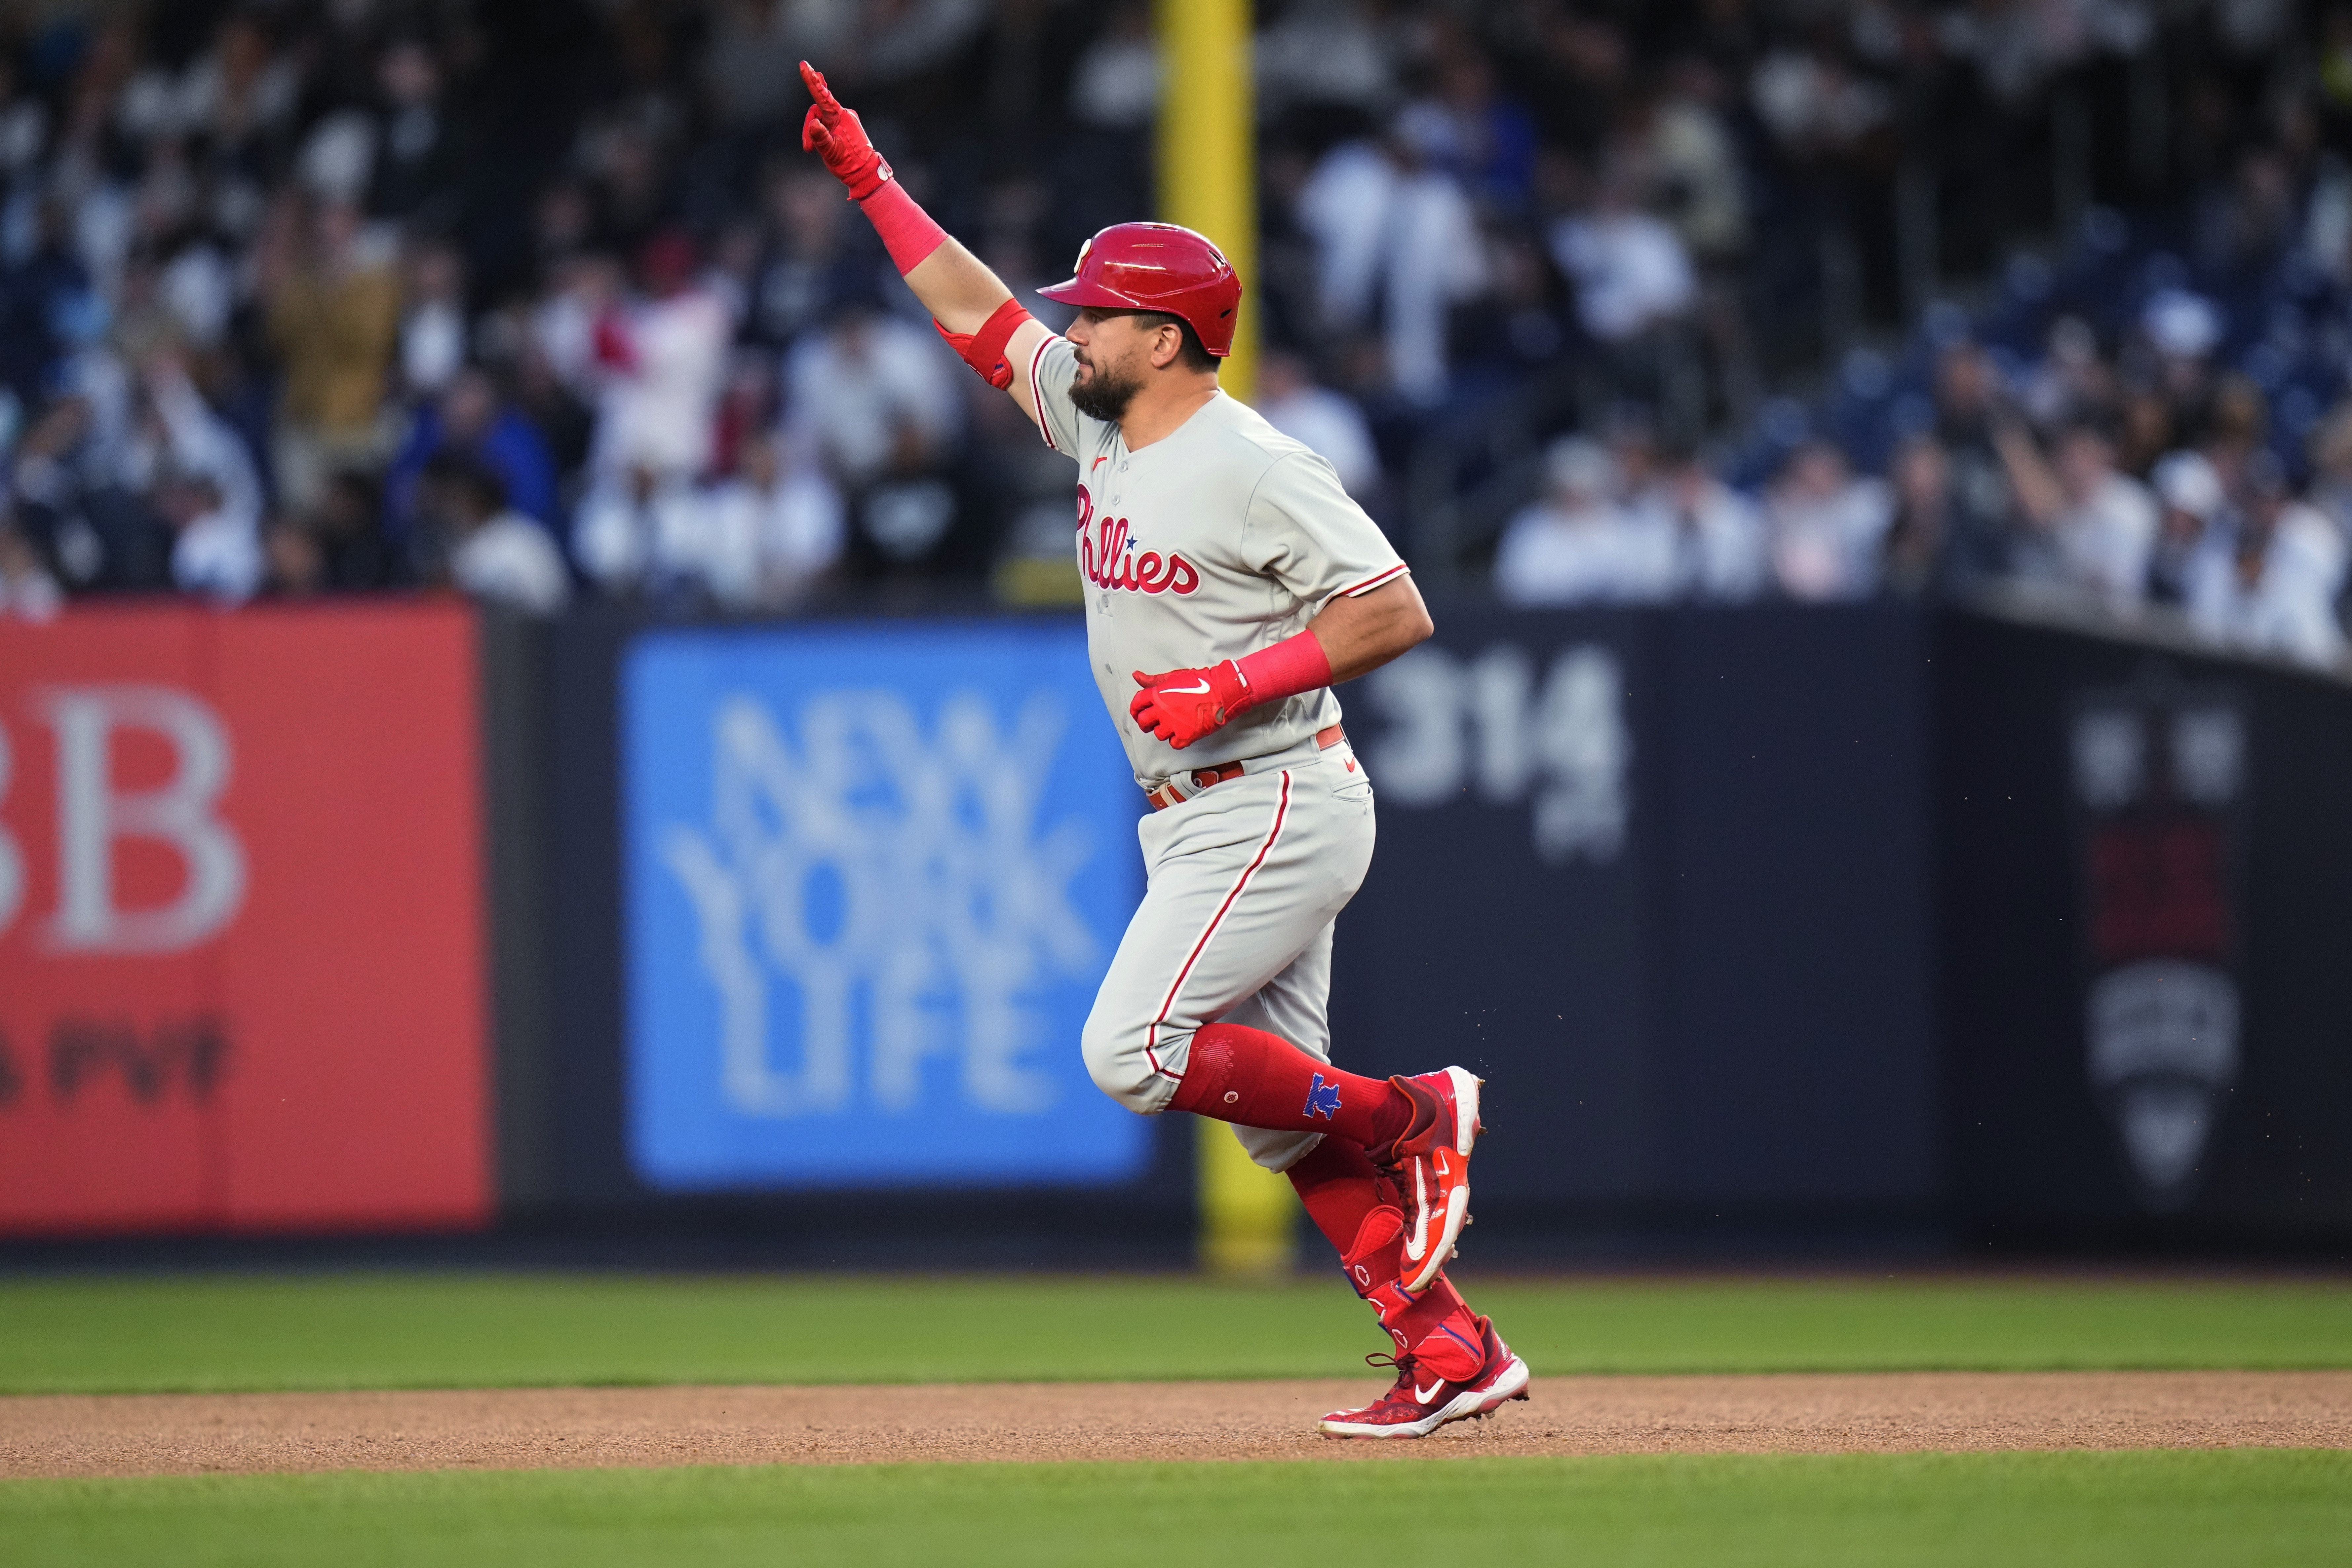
<point x="131" y="1435"/>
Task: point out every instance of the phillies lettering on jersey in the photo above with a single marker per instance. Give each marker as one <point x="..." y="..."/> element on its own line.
<point x="1107" y="559"/>
<point x="1221" y="539"/>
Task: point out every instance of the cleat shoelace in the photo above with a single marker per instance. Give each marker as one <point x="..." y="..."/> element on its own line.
<point x="1408" y="1371"/>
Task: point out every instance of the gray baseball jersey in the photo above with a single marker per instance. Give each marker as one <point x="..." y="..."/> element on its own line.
<point x="1215" y="542"/>
<point x="1219" y="540"/>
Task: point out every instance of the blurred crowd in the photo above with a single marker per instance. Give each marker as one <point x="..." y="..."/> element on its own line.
<point x="2133" y="485"/>
<point x="539" y="298"/>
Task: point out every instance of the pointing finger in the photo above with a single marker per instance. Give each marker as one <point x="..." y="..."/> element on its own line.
<point x="814" y="80"/>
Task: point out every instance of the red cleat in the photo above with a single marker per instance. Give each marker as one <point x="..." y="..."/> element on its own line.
<point x="1425" y="1397"/>
<point x="1431" y="1161"/>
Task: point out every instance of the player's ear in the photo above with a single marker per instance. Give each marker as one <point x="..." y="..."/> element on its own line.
<point x="1166" y="344"/>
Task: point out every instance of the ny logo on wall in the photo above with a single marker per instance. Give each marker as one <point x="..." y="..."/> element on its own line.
<point x="2160" y="777"/>
<point x="1560" y="743"/>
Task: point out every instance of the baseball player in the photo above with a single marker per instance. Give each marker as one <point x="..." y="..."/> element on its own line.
<point x="1230" y="584"/>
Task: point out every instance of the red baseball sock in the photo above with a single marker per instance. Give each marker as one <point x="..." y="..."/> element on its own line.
<point x="1244" y="1075"/>
<point x="1340" y="1186"/>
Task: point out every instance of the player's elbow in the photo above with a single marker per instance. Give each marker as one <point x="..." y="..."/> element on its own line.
<point x="1409" y="624"/>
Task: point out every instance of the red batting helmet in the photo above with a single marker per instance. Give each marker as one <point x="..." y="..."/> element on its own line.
<point x="1158" y="266"/>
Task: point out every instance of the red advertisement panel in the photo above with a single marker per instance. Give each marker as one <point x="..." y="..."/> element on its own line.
<point x="241" y="973"/>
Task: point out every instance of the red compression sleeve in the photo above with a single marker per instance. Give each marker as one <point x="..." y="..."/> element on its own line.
<point x="1338" y="1186"/>
<point x="906" y="230"/>
<point x="1293" y="665"/>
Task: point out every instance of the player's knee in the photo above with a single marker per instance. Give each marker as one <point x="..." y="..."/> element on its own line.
<point x="1118" y="1061"/>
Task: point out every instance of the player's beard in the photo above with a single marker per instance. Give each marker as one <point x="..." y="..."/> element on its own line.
<point x="1103" y="395"/>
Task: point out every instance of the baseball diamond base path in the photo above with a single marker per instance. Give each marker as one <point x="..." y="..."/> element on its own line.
<point x="131" y="1435"/>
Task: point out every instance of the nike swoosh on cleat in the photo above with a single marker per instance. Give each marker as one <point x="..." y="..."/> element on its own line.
<point x="1186" y="691"/>
<point x="1423" y="1398"/>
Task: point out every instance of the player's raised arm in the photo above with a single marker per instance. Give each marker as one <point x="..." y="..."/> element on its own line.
<point x="974" y="310"/>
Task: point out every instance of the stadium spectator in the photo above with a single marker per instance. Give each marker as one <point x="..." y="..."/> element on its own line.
<point x="2094" y="528"/>
<point x="661" y="360"/>
<point x="1328" y="423"/>
<point x="1397" y="241"/>
<point x="216" y="551"/>
<point x="198" y="476"/>
<point x="494" y="552"/>
<point x="26" y="588"/>
<point x="2182" y="329"/>
<point x="432" y="319"/>
<point x="43" y="284"/>
<point x="415" y="174"/>
<point x="811" y="263"/>
<point x="1326" y="55"/>
<point x="1116" y="83"/>
<point x="2193" y="525"/>
<point x="2073" y="382"/>
<point x="1827" y="526"/>
<point x="2274" y="589"/>
<point x="638" y="533"/>
<point x="333" y="305"/>
<point x="1920" y="559"/>
<point x="1580" y="545"/>
<point x="875" y="393"/>
<point x="294" y="564"/>
<point x="471" y="419"/>
<point x="1630" y="271"/>
<point x="356" y="554"/>
<point x="771" y="532"/>
<point x="1486" y="140"/>
<point x="1969" y="395"/>
<point x="1720" y="537"/>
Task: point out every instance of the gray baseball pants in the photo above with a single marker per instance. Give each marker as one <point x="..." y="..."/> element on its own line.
<point x="1245" y="881"/>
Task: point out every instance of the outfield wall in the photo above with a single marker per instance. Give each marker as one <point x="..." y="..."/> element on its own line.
<point x="1767" y="922"/>
<point x="1771" y="923"/>
<point x="241" y="927"/>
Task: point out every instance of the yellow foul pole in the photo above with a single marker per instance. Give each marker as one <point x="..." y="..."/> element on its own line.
<point x="1208" y="166"/>
<point x="1208" y="182"/>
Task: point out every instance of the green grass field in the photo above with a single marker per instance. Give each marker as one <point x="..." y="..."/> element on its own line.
<point x="365" y="1331"/>
<point x="2129" y="1509"/>
<point x="197" y="1332"/>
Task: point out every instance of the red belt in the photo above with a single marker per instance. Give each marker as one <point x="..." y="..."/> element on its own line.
<point x="1201" y="778"/>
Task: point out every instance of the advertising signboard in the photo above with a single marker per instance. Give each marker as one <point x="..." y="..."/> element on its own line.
<point x="241" y="981"/>
<point x="2143" y="919"/>
<point x="871" y="878"/>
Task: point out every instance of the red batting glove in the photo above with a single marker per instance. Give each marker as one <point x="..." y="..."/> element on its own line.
<point x="836" y="135"/>
<point x="1183" y="705"/>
